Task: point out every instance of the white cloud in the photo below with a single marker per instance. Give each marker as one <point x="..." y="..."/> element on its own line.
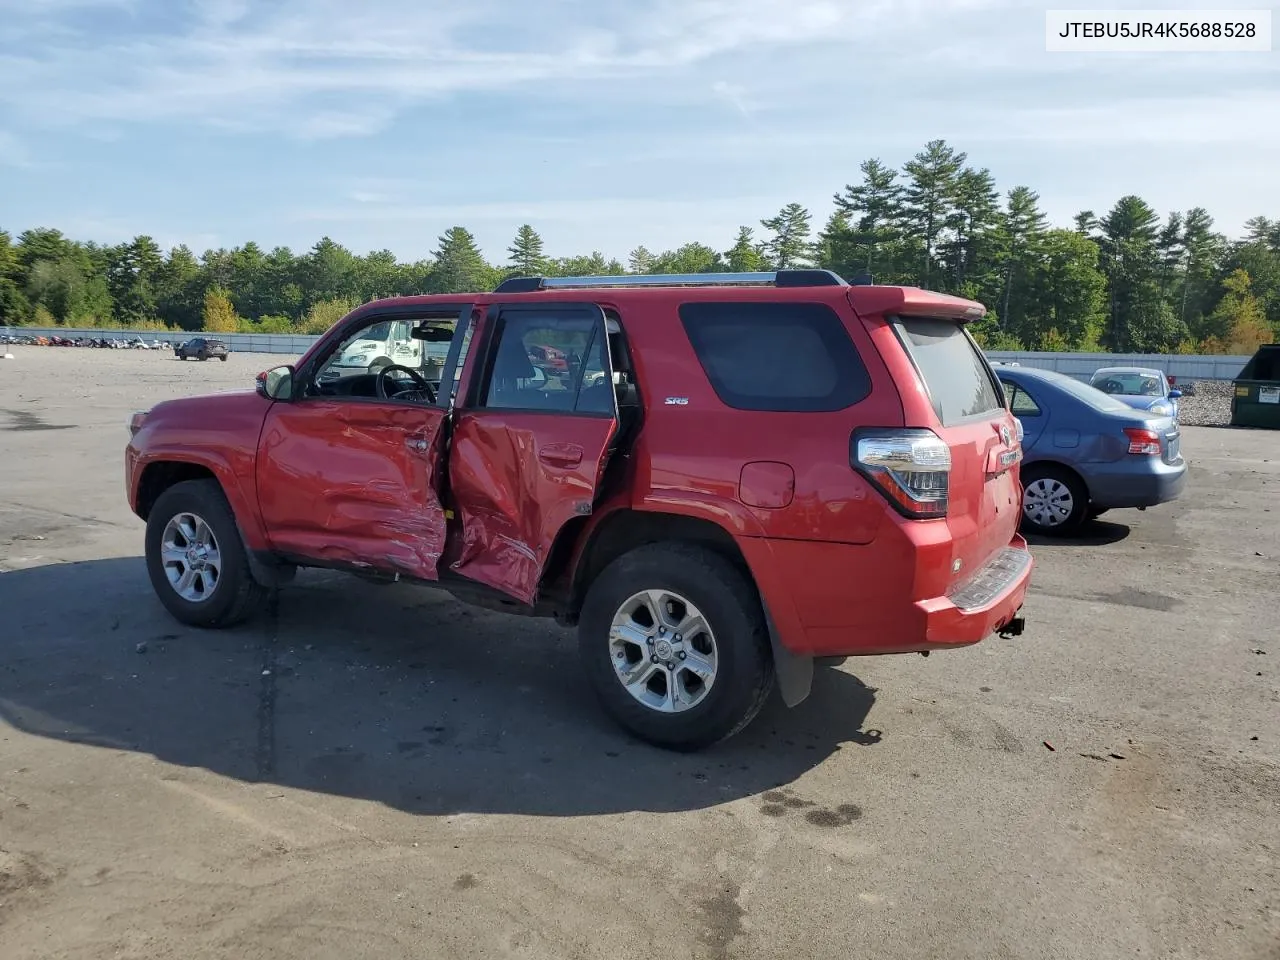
<point x="280" y="67"/>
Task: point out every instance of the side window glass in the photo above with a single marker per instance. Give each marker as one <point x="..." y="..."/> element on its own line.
<point x="1021" y="405"/>
<point x="596" y="393"/>
<point x="785" y="357"/>
<point x="541" y="362"/>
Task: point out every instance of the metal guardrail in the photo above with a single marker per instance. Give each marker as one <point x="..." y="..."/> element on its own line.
<point x="1079" y="365"/>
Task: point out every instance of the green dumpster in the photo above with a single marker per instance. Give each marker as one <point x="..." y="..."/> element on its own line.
<point x="1255" y="402"/>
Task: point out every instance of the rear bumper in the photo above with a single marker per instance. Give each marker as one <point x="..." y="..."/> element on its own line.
<point x="827" y="600"/>
<point x="1137" y="484"/>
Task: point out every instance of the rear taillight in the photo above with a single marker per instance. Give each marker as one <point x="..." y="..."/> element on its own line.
<point x="1143" y="442"/>
<point x="910" y="467"/>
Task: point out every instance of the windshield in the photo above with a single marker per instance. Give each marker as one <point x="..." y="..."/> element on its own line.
<point x="379" y="331"/>
<point x="1086" y="393"/>
<point x="1128" y="384"/>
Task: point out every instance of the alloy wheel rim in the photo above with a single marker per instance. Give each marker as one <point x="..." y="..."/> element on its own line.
<point x="1047" y="502"/>
<point x="663" y="651"/>
<point x="190" y="557"/>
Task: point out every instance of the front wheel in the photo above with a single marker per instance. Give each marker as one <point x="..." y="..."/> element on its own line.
<point x="195" y="557"/>
<point x="674" y="641"/>
<point x="223" y="358"/>
<point x="1054" y="501"/>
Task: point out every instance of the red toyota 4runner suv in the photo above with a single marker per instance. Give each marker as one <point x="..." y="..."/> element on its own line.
<point x="719" y="479"/>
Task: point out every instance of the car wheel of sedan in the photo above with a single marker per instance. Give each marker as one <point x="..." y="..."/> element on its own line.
<point x="1054" y="501"/>
<point x="196" y="559"/>
<point x="674" y="641"/>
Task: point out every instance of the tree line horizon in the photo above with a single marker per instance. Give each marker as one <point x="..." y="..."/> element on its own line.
<point x="1126" y="281"/>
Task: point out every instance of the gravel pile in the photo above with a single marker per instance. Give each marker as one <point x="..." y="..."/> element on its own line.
<point x="1210" y="407"/>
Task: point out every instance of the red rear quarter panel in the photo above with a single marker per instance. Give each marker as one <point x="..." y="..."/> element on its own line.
<point x="219" y="432"/>
<point x="691" y="455"/>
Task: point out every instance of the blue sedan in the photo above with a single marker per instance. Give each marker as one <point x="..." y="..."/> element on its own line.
<point x="1085" y="452"/>
<point x="1144" y="388"/>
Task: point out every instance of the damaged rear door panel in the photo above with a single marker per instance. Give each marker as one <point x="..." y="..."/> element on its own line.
<point x="528" y="450"/>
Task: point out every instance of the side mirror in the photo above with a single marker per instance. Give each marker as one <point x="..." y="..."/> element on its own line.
<point x="276" y="383"/>
<point x="1174" y="394"/>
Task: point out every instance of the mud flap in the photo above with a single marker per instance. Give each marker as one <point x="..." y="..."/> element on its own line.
<point x="794" y="671"/>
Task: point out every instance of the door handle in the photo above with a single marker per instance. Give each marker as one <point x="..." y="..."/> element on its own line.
<point x="417" y="441"/>
<point x="561" y="454"/>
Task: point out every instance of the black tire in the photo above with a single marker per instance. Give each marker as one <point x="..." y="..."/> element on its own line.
<point x="223" y="358"/>
<point x="1075" y="489"/>
<point x="727" y="599"/>
<point x="236" y="596"/>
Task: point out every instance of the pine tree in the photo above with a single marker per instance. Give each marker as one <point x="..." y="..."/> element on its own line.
<point x="789" y="246"/>
<point x="1021" y="227"/>
<point x="527" y="258"/>
<point x="928" y="201"/>
<point x="459" y="267"/>
<point x="746" y="255"/>
<point x="640" y="260"/>
<point x="875" y="210"/>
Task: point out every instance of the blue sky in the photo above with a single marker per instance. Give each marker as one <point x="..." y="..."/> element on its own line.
<point x="604" y="123"/>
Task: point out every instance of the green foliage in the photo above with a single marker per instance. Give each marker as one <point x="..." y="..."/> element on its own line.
<point x="788" y="245"/>
<point x="219" y="315"/>
<point x="1239" y="325"/>
<point x="1123" y="280"/>
<point x="527" y="256"/>
<point x="324" y="314"/>
<point x="459" y="267"/>
<point x="268" y="324"/>
<point x="746" y="255"/>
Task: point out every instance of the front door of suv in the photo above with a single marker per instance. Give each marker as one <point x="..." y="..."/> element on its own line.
<point x="529" y="447"/>
<point x="348" y="471"/>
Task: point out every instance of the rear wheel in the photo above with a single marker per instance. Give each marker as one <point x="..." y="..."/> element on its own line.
<point x="1054" y="501"/>
<point x="195" y="557"/>
<point x="675" y="644"/>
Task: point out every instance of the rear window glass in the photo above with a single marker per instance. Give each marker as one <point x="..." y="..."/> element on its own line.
<point x="955" y="373"/>
<point x="1084" y="392"/>
<point x="786" y="357"/>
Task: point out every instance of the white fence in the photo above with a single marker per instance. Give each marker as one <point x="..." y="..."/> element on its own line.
<point x="1080" y="365"/>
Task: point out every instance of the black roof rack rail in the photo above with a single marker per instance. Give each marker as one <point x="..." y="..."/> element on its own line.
<point x="776" y="278"/>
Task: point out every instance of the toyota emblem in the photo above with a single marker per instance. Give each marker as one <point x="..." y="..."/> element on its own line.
<point x="1005" y="437"/>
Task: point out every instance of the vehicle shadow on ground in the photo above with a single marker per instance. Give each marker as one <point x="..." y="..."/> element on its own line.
<point x="1093" y="533"/>
<point x="394" y="694"/>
